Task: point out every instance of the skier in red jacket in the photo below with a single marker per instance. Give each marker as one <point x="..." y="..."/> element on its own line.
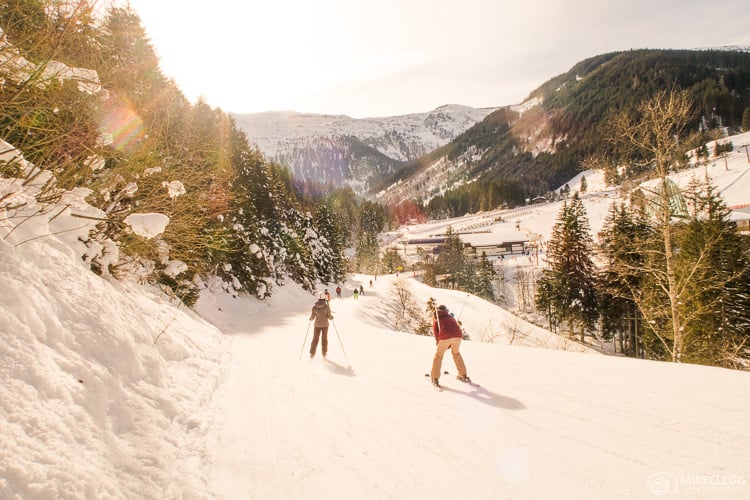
<point x="448" y="334"/>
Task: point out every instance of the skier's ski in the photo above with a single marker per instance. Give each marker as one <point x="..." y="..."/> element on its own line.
<point x="437" y="387"/>
<point x="474" y="384"/>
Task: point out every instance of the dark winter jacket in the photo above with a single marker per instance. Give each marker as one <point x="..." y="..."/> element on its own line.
<point x="321" y="313"/>
<point x="449" y="328"/>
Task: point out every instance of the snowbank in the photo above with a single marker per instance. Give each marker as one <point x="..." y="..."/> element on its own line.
<point x="103" y="383"/>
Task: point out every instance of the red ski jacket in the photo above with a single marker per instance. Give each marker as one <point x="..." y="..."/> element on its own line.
<point x="449" y="327"/>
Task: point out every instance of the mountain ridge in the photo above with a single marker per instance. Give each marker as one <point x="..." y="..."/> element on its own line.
<point x="358" y="152"/>
<point x="527" y="150"/>
<point x="461" y="159"/>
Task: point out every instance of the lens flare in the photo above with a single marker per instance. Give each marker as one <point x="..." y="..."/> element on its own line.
<point x="123" y="125"/>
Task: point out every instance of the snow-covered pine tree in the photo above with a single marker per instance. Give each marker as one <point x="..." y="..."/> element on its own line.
<point x="329" y="263"/>
<point x="248" y="266"/>
<point x="292" y="255"/>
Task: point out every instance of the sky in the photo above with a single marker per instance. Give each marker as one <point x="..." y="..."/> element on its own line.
<point x="108" y="389"/>
<point x="394" y="57"/>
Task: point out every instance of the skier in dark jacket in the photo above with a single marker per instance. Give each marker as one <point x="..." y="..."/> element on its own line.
<point x="448" y="335"/>
<point x="321" y="313"/>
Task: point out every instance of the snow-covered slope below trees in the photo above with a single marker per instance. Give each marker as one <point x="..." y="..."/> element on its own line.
<point x="102" y="383"/>
<point x="344" y="150"/>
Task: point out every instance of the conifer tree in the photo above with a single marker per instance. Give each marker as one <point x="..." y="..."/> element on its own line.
<point x="250" y="262"/>
<point x="451" y="260"/>
<point x="484" y="279"/>
<point x="345" y="213"/>
<point x="368" y="252"/>
<point x="327" y="229"/>
<point x="285" y="230"/>
<point x="392" y="260"/>
<point x="620" y="245"/>
<point x="714" y="273"/>
<point x="371" y="221"/>
<point x="566" y="289"/>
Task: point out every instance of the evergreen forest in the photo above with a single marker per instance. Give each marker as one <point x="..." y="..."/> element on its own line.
<point x="83" y="98"/>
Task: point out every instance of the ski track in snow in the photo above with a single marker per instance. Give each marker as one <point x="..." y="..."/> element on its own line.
<point x="543" y="424"/>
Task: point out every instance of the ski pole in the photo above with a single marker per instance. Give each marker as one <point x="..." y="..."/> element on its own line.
<point x="305" y="341"/>
<point x="433" y="308"/>
<point x="342" y="344"/>
<point x="462" y="307"/>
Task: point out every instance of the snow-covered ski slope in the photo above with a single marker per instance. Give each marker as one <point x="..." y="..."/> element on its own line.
<point x="545" y="423"/>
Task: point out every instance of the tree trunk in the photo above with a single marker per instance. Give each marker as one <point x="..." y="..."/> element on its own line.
<point x="666" y="213"/>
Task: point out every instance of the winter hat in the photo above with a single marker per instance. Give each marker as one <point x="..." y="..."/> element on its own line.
<point x="441" y="307"/>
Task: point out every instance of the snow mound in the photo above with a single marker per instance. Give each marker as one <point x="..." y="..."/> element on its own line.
<point x="103" y="382"/>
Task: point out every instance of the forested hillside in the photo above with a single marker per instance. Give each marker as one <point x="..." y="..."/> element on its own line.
<point x="520" y="152"/>
<point x="85" y="105"/>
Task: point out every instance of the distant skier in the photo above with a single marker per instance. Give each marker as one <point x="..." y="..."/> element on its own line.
<point x="447" y="334"/>
<point x="328" y="295"/>
<point x="356" y="294"/>
<point x="338" y="292"/>
<point x="321" y="313"/>
<point x="361" y="290"/>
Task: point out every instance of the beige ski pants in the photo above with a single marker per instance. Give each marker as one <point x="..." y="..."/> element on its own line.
<point x="437" y="361"/>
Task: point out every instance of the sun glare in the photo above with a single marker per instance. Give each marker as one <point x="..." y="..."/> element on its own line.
<point x="123" y="125"/>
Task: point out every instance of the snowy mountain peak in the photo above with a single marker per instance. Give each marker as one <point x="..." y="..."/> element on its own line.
<point x="352" y="151"/>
